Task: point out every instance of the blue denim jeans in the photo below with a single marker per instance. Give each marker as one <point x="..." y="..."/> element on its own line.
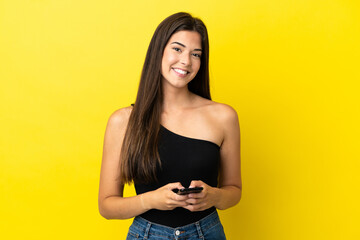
<point x="208" y="228"/>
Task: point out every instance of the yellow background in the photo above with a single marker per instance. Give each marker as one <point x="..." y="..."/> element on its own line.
<point x="289" y="68"/>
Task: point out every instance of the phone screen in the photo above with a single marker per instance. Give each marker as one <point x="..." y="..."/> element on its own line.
<point x="185" y="191"/>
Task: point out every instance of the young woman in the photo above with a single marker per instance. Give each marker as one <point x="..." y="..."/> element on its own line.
<point x="173" y="137"/>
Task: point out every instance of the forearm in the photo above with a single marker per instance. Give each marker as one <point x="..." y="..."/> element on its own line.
<point x="116" y="207"/>
<point x="228" y="196"/>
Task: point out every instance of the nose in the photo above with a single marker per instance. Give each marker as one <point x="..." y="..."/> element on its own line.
<point x="185" y="59"/>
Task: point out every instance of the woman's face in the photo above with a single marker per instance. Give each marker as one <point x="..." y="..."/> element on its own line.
<point x="181" y="58"/>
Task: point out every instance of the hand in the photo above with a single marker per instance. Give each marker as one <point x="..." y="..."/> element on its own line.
<point x="207" y="198"/>
<point x="164" y="198"/>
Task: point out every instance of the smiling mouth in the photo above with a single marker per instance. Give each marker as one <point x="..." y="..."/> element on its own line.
<point x="179" y="71"/>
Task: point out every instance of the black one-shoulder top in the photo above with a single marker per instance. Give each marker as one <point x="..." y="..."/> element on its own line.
<point x="183" y="159"/>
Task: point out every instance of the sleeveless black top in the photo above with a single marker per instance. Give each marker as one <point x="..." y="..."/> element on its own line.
<point x="183" y="159"/>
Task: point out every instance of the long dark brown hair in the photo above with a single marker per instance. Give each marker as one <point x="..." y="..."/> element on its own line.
<point x="139" y="157"/>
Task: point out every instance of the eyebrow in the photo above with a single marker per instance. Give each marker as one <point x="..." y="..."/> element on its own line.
<point x="196" y="49"/>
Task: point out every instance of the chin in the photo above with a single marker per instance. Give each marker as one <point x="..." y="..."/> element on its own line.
<point x="177" y="83"/>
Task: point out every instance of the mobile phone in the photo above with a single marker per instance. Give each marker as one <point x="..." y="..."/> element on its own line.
<point x="185" y="191"/>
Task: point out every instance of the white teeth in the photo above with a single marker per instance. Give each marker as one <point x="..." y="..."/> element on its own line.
<point x="180" y="71"/>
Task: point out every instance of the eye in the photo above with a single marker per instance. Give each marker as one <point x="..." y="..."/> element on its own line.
<point x="196" y="55"/>
<point x="177" y="49"/>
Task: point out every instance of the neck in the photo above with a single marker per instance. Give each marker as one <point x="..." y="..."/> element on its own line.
<point x="176" y="99"/>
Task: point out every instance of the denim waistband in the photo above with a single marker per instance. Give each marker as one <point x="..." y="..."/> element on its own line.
<point x="197" y="228"/>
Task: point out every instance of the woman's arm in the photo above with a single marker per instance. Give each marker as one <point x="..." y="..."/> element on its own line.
<point x="230" y="186"/>
<point x="110" y="199"/>
<point x="230" y="172"/>
<point x="112" y="204"/>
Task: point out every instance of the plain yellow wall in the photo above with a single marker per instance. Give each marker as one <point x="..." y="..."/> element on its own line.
<point x="289" y="68"/>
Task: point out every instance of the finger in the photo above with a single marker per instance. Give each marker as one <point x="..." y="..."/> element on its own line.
<point x="174" y="185"/>
<point x="178" y="203"/>
<point x="197" y="207"/>
<point x="197" y="195"/>
<point x="196" y="183"/>
<point x="178" y="197"/>
<point x="189" y="207"/>
<point x="193" y="208"/>
<point x="193" y="201"/>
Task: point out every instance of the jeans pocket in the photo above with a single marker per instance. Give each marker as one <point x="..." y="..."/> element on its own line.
<point x="216" y="232"/>
<point x="132" y="235"/>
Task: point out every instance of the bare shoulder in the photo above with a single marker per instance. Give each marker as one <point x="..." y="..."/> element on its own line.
<point x="219" y="121"/>
<point x="223" y="113"/>
<point x="229" y="122"/>
<point x="118" y="119"/>
<point x="121" y="114"/>
<point x="115" y="131"/>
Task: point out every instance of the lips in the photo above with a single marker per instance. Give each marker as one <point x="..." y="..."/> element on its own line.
<point x="180" y="72"/>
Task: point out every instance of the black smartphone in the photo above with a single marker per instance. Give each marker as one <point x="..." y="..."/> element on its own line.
<point x="185" y="191"/>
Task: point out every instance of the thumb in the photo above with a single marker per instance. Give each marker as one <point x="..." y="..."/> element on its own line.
<point x="195" y="183"/>
<point x="172" y="186"/>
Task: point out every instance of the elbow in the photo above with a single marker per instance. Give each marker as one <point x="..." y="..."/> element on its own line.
<point x="107" y="212"/>
<point x="104" y="216"/>
<point x="239" y="194"/>
<point x="107" y="215"/>
<point x="103" y="213"/>
<point x="230" y="198"/>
